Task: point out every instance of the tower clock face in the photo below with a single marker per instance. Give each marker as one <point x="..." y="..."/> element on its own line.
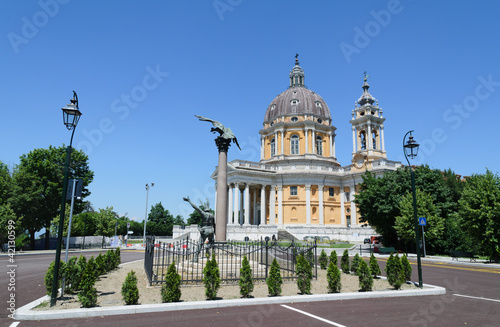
<point x="360" y="163"/>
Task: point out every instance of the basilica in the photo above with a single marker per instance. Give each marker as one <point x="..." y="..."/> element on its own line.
<point x="298" y="188"/>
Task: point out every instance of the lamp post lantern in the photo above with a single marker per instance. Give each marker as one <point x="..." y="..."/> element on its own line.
<point x="71" y="116"/>
<point x="146" y="215"/>
<point x="410" y="149"/>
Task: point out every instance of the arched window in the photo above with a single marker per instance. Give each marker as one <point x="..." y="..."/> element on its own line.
<point x="294" y="144"/>
<point x="273" y="148"/>
<point x="363" y="140"/>
<point x="319" y="145"/>
<point x="374" y="140"/>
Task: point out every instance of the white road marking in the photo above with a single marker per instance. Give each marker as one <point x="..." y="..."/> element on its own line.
<point x="14" y="324"/>
<point x="478" y="298"/>
<point x="313" y="316"/>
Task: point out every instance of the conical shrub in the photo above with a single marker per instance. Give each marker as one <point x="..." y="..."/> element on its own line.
<point x="365" y="277"/>
<point x="171" y="289"/>
<point x="333" y="277"/>
<point x="374" y="267"/>
<point x="406" y="267"/>
<point x="304" y="275"/>
<point x="355" y="263"/>
<point x="333" y="257"/>
<point x="274" y="280"/>
<point x="246" y="281"/>
<point x="323" y="260"/>
<point x="211" y="278"/>
<point x="130" y="292"/>
<point x="344" y="262"/>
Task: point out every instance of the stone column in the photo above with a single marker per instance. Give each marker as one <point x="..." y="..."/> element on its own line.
<point x="308" y="204"/>
<point x="369" y="141"/>
<point x="262" y="144"/>
<point x="263" y="205"/>
<point x="254" y="207"/>
<point x="353" y="207"/>
<point x="272" y="205"/>
<point x="353" y="139"/>
<point x="246" y="198"/>
<point x="307" y="139"/>
<point x="280" y="205"/>
<point x="236" y="204"/>
<point x="321" y="209"/>
<point x="330" y="138"/>
<point x="230" y="205"/>
<point x="382" y="146"/>
<point x="342" y="209"/>
<point x="282" y="142"/>
<point x="313" y="141"/>
<point x="221" y="200"/>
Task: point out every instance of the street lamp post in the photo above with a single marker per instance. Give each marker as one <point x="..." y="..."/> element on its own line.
<point x="410" y="149"/>
<point x="146" y="215"/>
<point x="71" y="116"/>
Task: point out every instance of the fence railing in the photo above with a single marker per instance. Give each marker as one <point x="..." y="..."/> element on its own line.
<point x="190" y="259"/>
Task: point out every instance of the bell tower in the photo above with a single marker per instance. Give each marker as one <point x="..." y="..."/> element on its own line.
<point x="367" y="130"/>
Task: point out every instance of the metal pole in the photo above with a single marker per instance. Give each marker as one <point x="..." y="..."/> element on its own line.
<point x="415" y="218"/>
<point x="69" y="230"/>
<point x="146" y="215"/>
<point x="55" y="283"/>
<point x="423" y="240"/>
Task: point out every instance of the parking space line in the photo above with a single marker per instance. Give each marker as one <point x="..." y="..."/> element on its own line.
<point x="313" y="316"/>
<point x="14" y="324"/>
<point x="477" y="298"/>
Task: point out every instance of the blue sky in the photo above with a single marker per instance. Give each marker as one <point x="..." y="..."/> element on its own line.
<point x="143" y="69"/>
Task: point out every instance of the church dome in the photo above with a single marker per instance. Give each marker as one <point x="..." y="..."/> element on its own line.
<point x="297" y="100"/>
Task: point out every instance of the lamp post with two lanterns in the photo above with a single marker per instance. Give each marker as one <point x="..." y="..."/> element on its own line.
<point x="410" y="149"/>
<point x="71" y="116"/>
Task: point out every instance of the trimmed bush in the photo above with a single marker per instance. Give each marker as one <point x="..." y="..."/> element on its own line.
<point x="374" y="267"/>
<point x="171" y="290"/>
<point x="355" y="264"/>
<point x="81" y="264"/>
<point x="333" y="277"/>
<point x="310" y="258"/>
<point x="323" y="260"/>
<point x="71" y="276"/>
<point x="130" y="292"/>
<point x="304" y="275"/>
<point x="344" y="262"/>
<point x="333" y="257"/>
<point x="88" y="293"/>
<point x="365" y="277"/>
<point x="49" y="276"/>
<point x="274" y="280"/>
<point x="211" y="278"/>
<point x="100" y="264"/>
<point x="246" y="281"/>
<point x="406" y="267"/>
<point x="118" y="258"/>
<point x="395" y="272"/>
<point x="109" y="259"/>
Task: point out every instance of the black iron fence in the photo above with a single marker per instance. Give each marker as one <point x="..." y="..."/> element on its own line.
<point x="190" y="259"/>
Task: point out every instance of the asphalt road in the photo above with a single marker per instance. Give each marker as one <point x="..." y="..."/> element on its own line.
<point x="472" y="299"/>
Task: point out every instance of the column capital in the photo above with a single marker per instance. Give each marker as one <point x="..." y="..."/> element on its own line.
<point x="223" y="144"/>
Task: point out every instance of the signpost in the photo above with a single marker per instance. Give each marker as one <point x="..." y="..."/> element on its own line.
<point x="422" y="221"/>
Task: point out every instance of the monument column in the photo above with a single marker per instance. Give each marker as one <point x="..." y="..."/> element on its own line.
<point x="221" y="200"/>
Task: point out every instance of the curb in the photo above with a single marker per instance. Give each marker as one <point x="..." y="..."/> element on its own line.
<point x="25" y="312"/>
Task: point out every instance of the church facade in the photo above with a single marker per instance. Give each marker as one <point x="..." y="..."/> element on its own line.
<point x="298" y="187"/>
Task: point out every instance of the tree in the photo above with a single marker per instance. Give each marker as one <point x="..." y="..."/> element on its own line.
<point x="333" y="277"/>
<point x="37" y="186"/>
<point x="355" y="264"/>
<point x="130" y="291"/>
<point x="304" y="275"/>
<point x="160" y="221"/>
<point x="405" y="223"/>
<point x="274" y="281"/>
<point x="374" y="267"/>
<point x="480" y="212"/>
<point x="395" y="272"/>
<point x="344" y="262"/>
<point x="245" y="282"/>
<point x="379" y="198"/>
<point x="406" y="267"/>
<point x="365" y="277"/>
<point x="211" y="278"/>
<point x="333" y="257"/>
<point x="323" y="260"/>
<point x="171" y="289"/>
